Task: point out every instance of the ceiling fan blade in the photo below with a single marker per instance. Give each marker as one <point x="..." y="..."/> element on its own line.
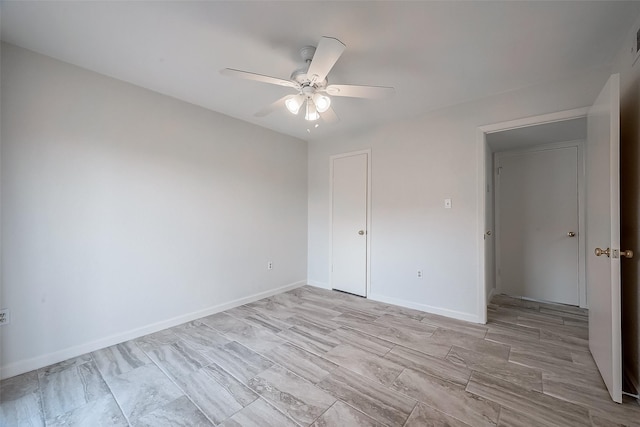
<point x="330" y="116"/>
<point x="258" y="77"/>
<point x="353" y="91"/>
<point x="277" y="105"/>
<point x="326" y="55"/>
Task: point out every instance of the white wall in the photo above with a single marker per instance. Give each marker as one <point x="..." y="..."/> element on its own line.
<point x="415" y="165"/>
<point x="125" y="211"/>
<point x="630" y="202"/>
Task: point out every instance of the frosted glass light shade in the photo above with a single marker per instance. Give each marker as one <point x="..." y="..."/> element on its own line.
<point x="294" y="103"/>
<point x="312" y="113"/>
<point x="322" y="102"/>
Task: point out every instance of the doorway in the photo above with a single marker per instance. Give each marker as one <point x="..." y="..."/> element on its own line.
<point x="350" y="198"/>
<point x="499" y="137"/>
<point x="537" y="222"/>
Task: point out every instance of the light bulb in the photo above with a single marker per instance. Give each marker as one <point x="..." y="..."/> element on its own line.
<point x="294" y="103"/>
<point x="312" y="113"/>
<point x="322" y="102"/>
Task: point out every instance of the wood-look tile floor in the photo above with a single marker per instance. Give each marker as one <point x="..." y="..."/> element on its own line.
<point x="312" y="357"/>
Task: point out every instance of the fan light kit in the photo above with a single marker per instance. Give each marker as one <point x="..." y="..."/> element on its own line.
<point x="311" y="83"/>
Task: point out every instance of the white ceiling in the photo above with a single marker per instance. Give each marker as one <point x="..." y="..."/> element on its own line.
<point x="435" y="54"/>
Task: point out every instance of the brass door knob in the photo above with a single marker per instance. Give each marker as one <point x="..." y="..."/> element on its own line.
<point x="600" y="252"/>
<point x="361" y="232"/>
<point x="627" y="254"/>
<point x="571" y="234"/>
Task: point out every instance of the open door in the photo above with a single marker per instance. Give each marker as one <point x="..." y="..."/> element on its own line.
<point x="603" y="235"/>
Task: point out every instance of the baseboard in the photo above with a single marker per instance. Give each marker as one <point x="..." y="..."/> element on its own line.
<point x="319" y="284"/>
<point x="28" y="365"/>
<point x="460" y="315"/>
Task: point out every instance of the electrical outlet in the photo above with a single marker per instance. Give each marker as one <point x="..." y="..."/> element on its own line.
<point x="270" y="265"/>
<point x="5" y="316"/>
<point x="419" y="274"/>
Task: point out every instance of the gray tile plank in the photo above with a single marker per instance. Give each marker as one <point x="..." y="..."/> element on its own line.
<point x="200" y="336"/>
<point x="511" y="418"/>
<point x="544" y="408"/>
<point x="307" y="365"/>
<point x="375" y="400"/>
<point x="435" y="366"/>
<point x="452" y="399"/>
<point x="180" y="412"/>
<point x="451" y="337"/>
<point x="143" y="390"/>
<point x="426" y="416"/>
<point x="369" y="365"/>
<point x="70" y="388"/>
<point x="259" y="414"/>
<point x="239" y="361"/>
<point x="522" y="375"/>
<point x="213" y="399"/>
<point x="20" y="401"/>
<point x="240" y="392"/>
<point x="270" y="323"/>
<point x="291" y="394"/>
<point x="150" y="342"/>
<point x="225" y="321"/>
<point x="119" y="359"/>
<point x="478" y="331"/>
<point x="253" y="337"/>
<point x="178" y="359"/>
<point x="341" y="414"/>
<point x="309" y="340"/>
<point x="363" y="341"/>
<point x="101" y="412"/>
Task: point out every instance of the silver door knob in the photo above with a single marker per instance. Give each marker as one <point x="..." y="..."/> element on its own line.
<point x="600" y="252"/>
<point x="571" y="234"/>
<point x="361" y="232"/>
<point x="627" y="254"/>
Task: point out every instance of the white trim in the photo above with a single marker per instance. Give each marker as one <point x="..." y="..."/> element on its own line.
<point x="535" y="120"/>
<point x="581" y="270"/>
<point x="321" y="285"/>
<point x="481" y="224"/>
<point x="460" y="315"/>
<point x="481" y="149"/>
<point x="368" y="231"/>
<point x="37" y="362"/>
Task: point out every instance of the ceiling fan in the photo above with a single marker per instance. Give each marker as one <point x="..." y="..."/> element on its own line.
<point x="310" y="81"/>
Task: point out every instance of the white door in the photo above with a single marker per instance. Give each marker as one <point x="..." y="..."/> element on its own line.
<point x="537" y="224"/>
<point x="349" y="182"/>
<point x="603" y="232"/>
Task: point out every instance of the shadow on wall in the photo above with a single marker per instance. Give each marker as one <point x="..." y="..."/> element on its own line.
<point x="629" y="220"/>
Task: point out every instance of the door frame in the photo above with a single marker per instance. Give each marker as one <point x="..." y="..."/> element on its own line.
<point x="481" y="169"/>
<point x="368" y="207"/>
<point x="580" y="145"/>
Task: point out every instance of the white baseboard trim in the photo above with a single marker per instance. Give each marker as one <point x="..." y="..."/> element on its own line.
<point x="22" y="366"/>
<point x="319" y="284"/>
<point x="460" y="315"/>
